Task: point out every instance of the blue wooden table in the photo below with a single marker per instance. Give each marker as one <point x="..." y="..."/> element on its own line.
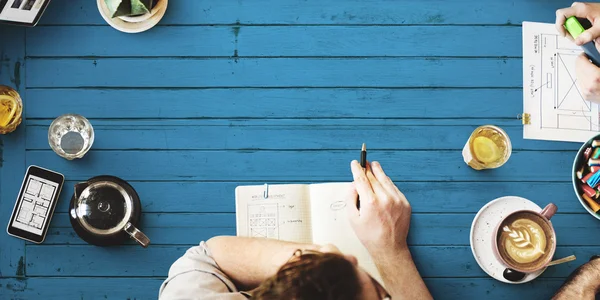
<point x="227" y="92"/>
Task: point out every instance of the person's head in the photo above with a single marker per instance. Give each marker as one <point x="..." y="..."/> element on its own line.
<point x="326" y="274"/>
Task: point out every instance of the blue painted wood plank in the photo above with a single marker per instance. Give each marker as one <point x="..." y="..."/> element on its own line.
<point x="426" y="229"/>
<point x="277" y="103"/>
<point x="309" y="136"/>
<point x="105" y="41"/>
<point x="12" y="150"/>
<point x="488" y="288"/>
<point x="80" y="288"/>
<point x="80" y="260"/>
<point x="460" y="197"/>
<point x="277" y="41"/>
<point x="147" y="288"/>
<point x="405" y="12"/>
<point x="282" y="72"/>
<point x="300" y="165"/>
<point x="293" y="121"/>
<point x="101" y="261"/>
<point x="285" y="119"/>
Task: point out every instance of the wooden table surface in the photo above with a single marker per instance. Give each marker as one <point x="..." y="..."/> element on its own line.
<point x="227" y="92"/>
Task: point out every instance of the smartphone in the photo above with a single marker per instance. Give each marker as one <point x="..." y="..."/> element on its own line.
<point x="22" y="12"/>
<point x="35" y="204"/>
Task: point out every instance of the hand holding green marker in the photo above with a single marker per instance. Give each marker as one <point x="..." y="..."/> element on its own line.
<point x="575" y="29"/>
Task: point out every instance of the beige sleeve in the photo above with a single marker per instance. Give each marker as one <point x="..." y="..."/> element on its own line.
<point x="196" y="275"/>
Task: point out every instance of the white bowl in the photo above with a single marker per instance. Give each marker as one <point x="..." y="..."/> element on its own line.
<point x="578" y="162"/>
<point x="134" y="24"/>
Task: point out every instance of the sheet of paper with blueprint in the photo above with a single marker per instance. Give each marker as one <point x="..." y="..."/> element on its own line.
<point x="551" y="97"/>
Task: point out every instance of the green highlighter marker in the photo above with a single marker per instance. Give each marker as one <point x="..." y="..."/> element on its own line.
<point x="575" y="29"/>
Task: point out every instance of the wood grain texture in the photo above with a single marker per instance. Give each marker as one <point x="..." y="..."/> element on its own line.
<point x="228" y="93"/>
<point x="274" y="41"/>
<point x="12" y="151"/>
<point x="296" y="165"/>
<point x="282" y="72"/>
<point x="194" y="12"/>
<point x="263" y="104"/>
<point x="307" y="135"/>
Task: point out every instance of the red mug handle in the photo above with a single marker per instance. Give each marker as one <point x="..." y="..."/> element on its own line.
<point x="549" y="211"/>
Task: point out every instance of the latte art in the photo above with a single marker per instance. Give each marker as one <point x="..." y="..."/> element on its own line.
<point x="524" y="240"/>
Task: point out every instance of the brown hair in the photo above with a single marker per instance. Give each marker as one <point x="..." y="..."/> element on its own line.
<point x="326" y="276"/>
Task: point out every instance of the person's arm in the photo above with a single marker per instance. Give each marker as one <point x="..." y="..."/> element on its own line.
<point x="584" y="282"/>
<point x="587" y="74"/>
<point x="382" y="224"/>
<point x="249" y="261"/>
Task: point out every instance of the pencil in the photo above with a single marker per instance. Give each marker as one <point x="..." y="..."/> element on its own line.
<point x="363" y="164"/>
<point x="363" y="157"/>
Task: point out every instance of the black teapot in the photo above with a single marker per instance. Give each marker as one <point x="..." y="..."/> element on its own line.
<point x="105" y="211"/>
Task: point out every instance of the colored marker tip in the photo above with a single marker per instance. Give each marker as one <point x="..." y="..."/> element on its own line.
<point x="364" y="147"/>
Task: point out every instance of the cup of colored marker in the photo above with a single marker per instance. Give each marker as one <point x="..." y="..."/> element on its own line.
<point x="586" y="176"/>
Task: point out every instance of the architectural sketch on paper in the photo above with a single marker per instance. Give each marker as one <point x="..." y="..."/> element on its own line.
<point x="263" y="220"/>
<point x="551" y="96"/>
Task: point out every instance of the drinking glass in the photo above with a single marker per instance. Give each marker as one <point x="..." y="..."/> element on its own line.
<point x="71" y="136"/>
<point x="11" y="109"/>
<point x="488" y="147"/>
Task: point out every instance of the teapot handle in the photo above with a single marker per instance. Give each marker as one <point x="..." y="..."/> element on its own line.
<point x="137" y="235"/>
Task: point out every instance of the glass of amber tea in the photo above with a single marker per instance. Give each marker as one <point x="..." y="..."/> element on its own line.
<point x="11" y="109"/>
<point x="488" y="147"/>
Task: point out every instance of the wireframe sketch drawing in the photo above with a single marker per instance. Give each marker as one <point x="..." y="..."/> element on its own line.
<point x="263" y="220"/>
<point x="551" y="95"/>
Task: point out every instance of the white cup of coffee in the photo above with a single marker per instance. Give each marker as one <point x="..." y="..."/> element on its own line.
<point x="525" y="240"/>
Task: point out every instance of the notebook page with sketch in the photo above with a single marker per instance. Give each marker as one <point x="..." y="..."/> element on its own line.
<point x="331" y="225"/>
<point x="553" y="103"/>
<point x="313" y="214"/>
<point x="284" y="215"/>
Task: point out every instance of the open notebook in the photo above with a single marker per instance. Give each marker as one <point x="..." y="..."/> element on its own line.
<point x="303" y="213"/>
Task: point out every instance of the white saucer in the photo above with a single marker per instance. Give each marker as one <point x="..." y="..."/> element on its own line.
<point x="134" y="24"/>
<point x="483" y="227"/>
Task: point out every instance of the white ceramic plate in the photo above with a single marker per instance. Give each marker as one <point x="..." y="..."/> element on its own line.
<point x="134" y="24"/>
<point x="483" y="227"/>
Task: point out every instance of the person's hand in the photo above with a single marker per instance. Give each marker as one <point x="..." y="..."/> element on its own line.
<point x="383" y="219"/>
<point x="582" y="283"/>
<point x="587" y="74"/>
<point x="588" y="78"/>
<point x="590" y="11"/>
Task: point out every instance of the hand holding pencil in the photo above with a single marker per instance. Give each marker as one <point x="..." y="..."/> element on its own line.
<point x="383" y="219"/>
<point x="363" y="164"/>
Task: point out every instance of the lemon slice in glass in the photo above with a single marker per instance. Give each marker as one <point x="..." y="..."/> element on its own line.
<point x="8" y="108"/>
<point x="485" y="150"/>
